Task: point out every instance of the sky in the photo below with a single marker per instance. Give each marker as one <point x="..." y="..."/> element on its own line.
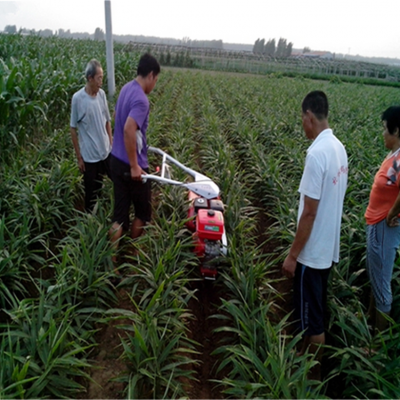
<point x="368" y="28"/>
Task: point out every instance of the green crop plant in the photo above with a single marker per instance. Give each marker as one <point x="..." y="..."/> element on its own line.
<point x="367" y="366"/>
<point x="262" y="360"/>
<point x="158" y="350"/>
<point x="157" y="353"/>
<point x="41" y="354"/>
<point x="83" y="269"/>
<point x="243" y="131"/>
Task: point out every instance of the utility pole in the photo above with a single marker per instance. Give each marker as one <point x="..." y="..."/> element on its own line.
<point x="109" y="51"/>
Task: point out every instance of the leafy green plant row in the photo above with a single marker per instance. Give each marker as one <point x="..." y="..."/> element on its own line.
<point x="245" y="133"/>
<point x="261" y="119"/>
<point x="273" y="153"/>
<point x="55" y="269"/>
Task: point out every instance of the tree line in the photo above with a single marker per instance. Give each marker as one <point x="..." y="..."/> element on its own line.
<point x="100" y="35"/>
<point x="270" y="48"/>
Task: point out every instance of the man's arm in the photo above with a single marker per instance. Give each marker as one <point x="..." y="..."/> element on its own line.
<point x="130" y="129"/>
<point x="107" y="112"/>
<point x="74" y="137"/>
<point x="303" y="233"/>
<point x="109" y="131"/>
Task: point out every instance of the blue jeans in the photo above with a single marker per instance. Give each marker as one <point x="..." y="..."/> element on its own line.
<point x="382" y="244"/>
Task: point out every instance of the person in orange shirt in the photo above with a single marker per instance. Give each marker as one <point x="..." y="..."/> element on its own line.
<point x="383" y="223"/>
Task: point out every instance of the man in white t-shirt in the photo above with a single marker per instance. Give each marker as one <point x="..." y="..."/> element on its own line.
<point x="90" y="119"/>
<point x="317" y="240"/>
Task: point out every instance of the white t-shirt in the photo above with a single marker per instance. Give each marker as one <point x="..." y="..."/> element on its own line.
<point x="324" y="179"/>
<point x="90" y="114"/>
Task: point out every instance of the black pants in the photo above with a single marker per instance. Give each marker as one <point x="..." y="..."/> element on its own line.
<point x="127" y="192"/>
<point x="310" y="298"/>
<point x="93" y="181"/>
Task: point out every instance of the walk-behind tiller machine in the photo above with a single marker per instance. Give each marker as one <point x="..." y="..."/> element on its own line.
<point x="205" y="213"/>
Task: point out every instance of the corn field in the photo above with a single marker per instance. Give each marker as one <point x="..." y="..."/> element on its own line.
<point x="68" y="331"/>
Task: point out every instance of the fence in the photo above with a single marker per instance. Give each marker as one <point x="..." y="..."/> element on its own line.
<point x="219" y="59"/>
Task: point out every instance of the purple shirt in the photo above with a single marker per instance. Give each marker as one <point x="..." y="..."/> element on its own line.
<point x="132" y="102"/>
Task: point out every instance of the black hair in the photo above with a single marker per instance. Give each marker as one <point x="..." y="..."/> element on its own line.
<point x="392" y="118"/>
<point x="317" y="103"/>
<point x="91" y="68"/>
<point x="147" y="64"/>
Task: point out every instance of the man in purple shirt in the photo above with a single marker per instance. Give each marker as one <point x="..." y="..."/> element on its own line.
<point x="129" y="153"/>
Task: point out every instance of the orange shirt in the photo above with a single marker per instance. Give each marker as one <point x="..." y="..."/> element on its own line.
<point x="385" y="189"/>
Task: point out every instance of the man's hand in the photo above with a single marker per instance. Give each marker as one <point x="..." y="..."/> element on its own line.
<point x="392" y="221"/>
<point x="81" y="165"/>
<point x="74" y="137"/>
<point x="289" y="266"/>
<point x="136" y="173"/>
<point x="392" y="218"/>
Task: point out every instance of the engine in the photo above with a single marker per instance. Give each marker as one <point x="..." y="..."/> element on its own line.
<point x="207" y="225"/>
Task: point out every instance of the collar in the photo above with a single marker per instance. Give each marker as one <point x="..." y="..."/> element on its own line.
<point x="322" y="135"/>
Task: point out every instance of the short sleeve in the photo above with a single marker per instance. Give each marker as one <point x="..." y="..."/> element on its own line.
<point x="394" y="172"/>
<point x="139" y="111"/>
<point x="312" y="179"/>
<point x="105" y="105"/>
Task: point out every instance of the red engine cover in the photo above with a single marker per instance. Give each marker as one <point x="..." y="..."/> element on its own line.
<point x="210" y="224"/>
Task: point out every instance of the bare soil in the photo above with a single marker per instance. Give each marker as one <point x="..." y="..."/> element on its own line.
<point x="109" y="364"/>
<point x="107" y="360"/>
<point x="202" y="330"/>
<point x="280" y="283"/>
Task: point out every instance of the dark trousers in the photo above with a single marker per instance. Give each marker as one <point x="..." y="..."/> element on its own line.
<point x="93" y="181"/>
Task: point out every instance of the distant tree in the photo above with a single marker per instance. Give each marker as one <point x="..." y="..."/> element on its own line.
<point x="81" y="35"/>
<point x="306" y="50"/>
<point x="10" y="29"/>
<point x="289" y="49"/>
<point x="98" y="34"/>
<point x="63" y="33"/>
<point x="270" y="47"/>
<point x="261" y="46"/>
<point x="186" y="41"/>
<point x="281" y="48"/>
<point x="256" y="46"/>
<point x="45" y="32"/>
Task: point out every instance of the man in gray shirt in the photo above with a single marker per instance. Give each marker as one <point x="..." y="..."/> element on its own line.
<point x="90" y="118"/>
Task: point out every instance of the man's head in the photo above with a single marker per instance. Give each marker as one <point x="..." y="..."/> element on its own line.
<point x="147" y="71"/>
<point x="94" y="75"/>
<point x="315" y="113"/>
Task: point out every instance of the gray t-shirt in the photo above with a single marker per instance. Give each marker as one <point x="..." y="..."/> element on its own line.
<point x="89" y="115"/>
